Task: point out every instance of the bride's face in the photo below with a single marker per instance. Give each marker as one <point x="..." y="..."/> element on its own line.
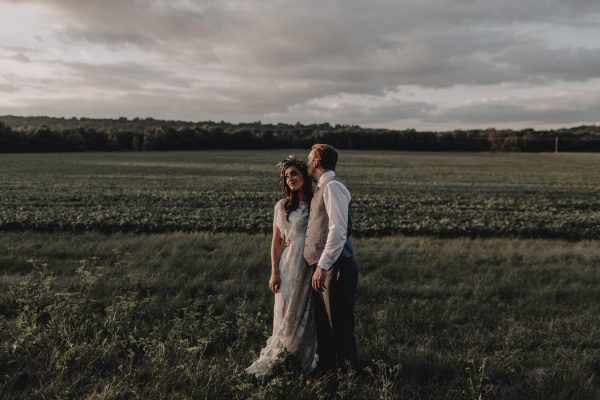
<point x="293" y="178"/>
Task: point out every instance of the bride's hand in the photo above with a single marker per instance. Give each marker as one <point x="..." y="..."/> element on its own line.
<point x="274" y="282"/>
<point x="285" y="241"/>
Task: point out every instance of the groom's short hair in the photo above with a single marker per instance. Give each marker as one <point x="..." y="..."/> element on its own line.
<point x="326" y="154"/>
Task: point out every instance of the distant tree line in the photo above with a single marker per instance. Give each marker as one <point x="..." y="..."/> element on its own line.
<point x="45" y="134"/>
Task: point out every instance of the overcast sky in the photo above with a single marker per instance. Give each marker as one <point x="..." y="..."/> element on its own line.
<point x="399" y="64"/>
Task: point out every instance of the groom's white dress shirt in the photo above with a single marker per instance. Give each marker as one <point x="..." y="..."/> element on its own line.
<point x="337" y="199"/>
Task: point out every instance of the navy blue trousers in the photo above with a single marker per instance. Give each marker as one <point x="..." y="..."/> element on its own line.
<point x="334" y="312"/>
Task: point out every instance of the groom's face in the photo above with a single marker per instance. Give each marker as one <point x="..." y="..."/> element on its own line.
<point x="311" y="164"/>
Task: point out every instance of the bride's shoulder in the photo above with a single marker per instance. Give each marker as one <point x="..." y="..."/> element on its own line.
<point x="280" y="204"/>
<point x="279" y="213"/>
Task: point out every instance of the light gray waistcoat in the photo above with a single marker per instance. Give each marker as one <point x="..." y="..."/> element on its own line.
<point x="318" y="228"/>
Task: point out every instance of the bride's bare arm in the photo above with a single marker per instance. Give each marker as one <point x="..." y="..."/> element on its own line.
<point x="276" y="249"/>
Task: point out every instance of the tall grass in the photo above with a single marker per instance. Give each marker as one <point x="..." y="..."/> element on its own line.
<point x="181" y="315"/>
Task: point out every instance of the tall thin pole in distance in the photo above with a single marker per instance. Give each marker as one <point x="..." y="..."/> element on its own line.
<point x="556" y="145"/>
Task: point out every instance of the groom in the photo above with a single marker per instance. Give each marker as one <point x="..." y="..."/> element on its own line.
<point x="328" y="250"/>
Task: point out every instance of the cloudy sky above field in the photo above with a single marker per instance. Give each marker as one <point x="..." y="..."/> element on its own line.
<point x="398" y="64"/>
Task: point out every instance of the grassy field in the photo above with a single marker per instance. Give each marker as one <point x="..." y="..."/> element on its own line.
<point x="180" y="315"/>
<point x="102" y="314"/>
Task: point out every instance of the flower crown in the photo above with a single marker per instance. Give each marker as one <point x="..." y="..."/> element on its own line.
<point x="289" y="161"/>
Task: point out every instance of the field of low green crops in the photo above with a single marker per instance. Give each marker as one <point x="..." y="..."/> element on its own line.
<point x="446" y="195"/>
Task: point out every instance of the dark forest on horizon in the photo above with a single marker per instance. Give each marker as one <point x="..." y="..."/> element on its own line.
<point x="49" y="134"/>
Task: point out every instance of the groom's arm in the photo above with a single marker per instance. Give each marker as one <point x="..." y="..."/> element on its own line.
<point x="337" y="199"/>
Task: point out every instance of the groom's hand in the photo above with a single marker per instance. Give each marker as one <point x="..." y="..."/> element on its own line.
<point x="318" y="280"/>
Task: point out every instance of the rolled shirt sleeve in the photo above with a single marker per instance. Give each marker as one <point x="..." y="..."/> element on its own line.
<point x="337" y="199"/>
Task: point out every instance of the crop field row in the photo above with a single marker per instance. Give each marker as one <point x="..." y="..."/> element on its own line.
<point x="445" y="195"/>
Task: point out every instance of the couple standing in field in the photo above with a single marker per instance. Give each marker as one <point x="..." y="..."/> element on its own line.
<point x="313" y="273"/>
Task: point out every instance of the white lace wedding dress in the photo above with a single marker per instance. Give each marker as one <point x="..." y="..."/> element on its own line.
<point x="294" y="326"/>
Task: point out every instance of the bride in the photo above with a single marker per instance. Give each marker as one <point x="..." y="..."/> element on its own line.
<point x="293" y="316"/>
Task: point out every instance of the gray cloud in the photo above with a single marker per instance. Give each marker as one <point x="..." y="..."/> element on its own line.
<point x="16" y="53"/>
<point x="7" y="87"/>
<point x="149" y="25"/>
<point x="562" y="110"/>
<point x="166" y="105"/>
<point x="533" y="61"/>
<point x="123" y="76"/>
<point x="267" y="59"/>
<point x="356" y="114"/>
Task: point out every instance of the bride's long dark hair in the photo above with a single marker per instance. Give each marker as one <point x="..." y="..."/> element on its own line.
<point x="291" y="198"/>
